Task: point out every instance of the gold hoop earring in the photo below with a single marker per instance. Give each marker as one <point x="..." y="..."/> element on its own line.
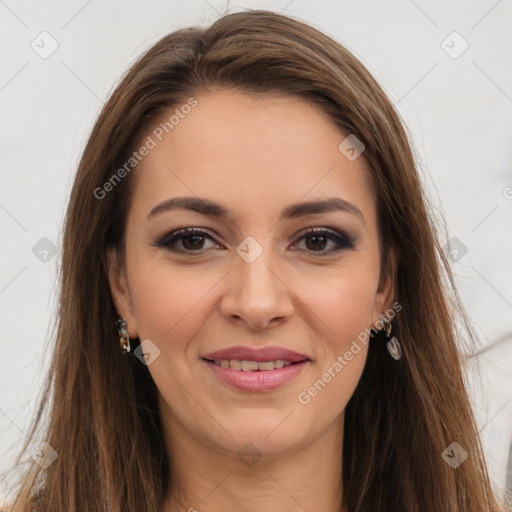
<point x="124" y="339"/>
<point x="393" y="345"/>
<point x="387" y="328"/>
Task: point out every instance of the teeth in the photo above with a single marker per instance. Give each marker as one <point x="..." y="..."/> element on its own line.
<point x="251" y="366"/>
<point x="235" y="364"/>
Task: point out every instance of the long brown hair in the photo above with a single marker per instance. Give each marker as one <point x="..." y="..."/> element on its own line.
<point x="102" y="407"/>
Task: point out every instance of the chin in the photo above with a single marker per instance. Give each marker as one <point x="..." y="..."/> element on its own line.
<point x="274" y="435"/>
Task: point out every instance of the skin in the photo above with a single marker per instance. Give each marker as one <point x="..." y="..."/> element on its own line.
<point x="255" y="156"/>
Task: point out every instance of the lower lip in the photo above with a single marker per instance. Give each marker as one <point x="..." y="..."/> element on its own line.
<point x="258" y="380"/>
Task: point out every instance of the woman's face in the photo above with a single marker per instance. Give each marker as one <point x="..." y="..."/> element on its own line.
<point x="255" y="278"/>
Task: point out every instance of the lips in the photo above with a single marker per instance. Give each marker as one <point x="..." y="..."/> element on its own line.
<point x="258" y="355"/>
<point x="256" y="370"/>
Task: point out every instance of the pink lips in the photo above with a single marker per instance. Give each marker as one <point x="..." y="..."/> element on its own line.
<point x="256" y="380"/>
<point x="251" y="354"/>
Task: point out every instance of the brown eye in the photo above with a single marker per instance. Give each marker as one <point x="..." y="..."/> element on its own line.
<point x="317" y="239"/>
<point x="191" y="240"/>
<point x="316" y="242"/>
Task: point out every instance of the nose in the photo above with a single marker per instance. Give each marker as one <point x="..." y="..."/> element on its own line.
<point x="257" y="293"/>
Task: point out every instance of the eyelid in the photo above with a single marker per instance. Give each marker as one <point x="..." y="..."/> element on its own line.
<point x="176" y="234"/>
<point x="340" y="238"/>
<point x="335" y="232"/>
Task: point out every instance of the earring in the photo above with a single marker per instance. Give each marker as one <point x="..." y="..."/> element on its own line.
<point x="123" y="332"/>
<point x="392" y="344"/>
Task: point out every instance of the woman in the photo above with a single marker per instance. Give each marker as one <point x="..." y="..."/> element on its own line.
<point x="255" y="311"/>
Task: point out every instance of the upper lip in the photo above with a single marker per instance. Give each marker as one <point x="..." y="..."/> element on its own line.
<point x="258" y="355"/>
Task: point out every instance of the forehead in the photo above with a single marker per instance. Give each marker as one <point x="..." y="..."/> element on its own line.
<point x="253" y="154"/>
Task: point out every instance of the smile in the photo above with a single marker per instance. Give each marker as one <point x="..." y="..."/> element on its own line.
<point x="255" y="376"/>
<point x="252" y="366"/>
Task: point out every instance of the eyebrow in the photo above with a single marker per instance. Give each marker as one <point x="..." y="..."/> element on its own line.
<point x="210" y="208"/>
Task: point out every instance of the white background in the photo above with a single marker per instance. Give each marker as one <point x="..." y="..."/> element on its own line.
<point x="458" y="111"/>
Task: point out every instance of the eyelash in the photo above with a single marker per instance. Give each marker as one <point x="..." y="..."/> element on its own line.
<point x="342" y="241"/>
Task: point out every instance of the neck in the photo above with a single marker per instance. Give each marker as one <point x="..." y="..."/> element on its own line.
<point x="204" y="478"/>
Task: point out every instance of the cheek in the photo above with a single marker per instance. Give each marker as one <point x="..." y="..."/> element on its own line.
<point x="342" y="346"/>
<point x="344" y="302"/>
<point x="170" y="301"/>
<point x="344" y="305"/>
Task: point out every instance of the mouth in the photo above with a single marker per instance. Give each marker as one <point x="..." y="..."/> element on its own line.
<point x="255" y="370"/>
<point x="247" y="356"/>
<point x="253" y="366"/>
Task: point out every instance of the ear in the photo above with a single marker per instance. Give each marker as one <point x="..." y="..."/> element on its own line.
<point x="384" y="297"/>
<point x="120" y="290"/>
